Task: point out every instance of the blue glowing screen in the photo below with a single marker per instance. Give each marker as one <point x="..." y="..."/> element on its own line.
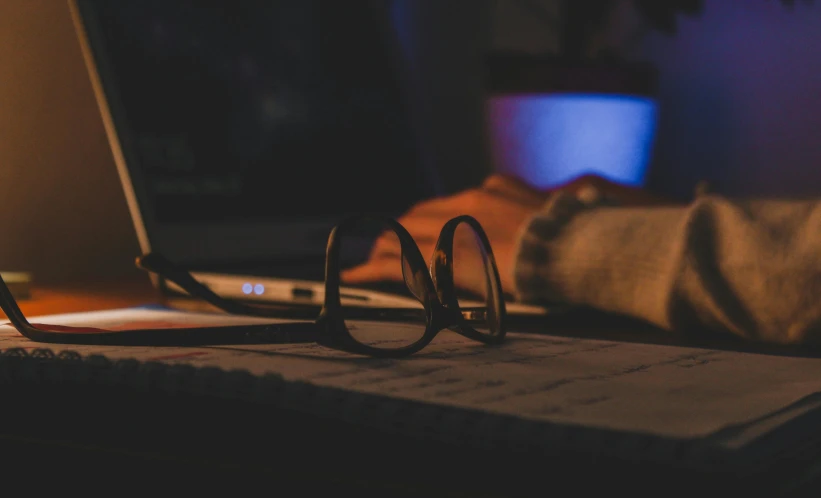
<point x="550" y="139"/>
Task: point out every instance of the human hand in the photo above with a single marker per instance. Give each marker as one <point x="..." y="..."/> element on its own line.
<point x="502" y="205"/>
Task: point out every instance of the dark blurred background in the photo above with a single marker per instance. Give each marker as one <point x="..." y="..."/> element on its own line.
<point x="739" y="106"/>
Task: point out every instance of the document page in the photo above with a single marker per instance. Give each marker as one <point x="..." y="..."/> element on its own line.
<point x="670" y="391"/>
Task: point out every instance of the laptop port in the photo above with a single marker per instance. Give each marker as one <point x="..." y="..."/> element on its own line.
<point x="302" y="293"/>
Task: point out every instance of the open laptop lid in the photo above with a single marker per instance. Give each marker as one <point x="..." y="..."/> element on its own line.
<point x="243" y="131"/>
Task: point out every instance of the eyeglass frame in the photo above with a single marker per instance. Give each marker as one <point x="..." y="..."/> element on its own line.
<point x="435" y="284"/>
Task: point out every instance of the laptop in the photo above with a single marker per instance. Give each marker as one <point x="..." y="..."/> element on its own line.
<point x="244" y="131"/>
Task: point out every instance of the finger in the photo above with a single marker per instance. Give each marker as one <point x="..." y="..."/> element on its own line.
<point x="375" y="270"/>
<point x="424" y="229"/>
<point x="593" y="186"/>
<point x="386" y="245"/>
<point x="502" y="181"/>
<point x="514" y="188"/>
<point x="435" y="208"/>
<point x="443" y="208"/>
<point x="388" y="250"/>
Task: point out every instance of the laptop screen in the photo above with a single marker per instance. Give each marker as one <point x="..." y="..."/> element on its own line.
<point x="243" y="123"/>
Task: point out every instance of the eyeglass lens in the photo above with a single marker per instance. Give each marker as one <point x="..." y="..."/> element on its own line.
<point x="473" y="278"/>
<point x="405" y="322"/>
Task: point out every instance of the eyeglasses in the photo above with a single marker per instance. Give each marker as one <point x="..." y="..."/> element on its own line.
<point x="378" y="332"/>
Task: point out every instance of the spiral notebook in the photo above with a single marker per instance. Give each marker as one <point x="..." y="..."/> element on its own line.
<point x="699" y="408"/>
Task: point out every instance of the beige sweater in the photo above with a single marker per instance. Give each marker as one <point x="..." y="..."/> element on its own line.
<point x="752" y="268"/>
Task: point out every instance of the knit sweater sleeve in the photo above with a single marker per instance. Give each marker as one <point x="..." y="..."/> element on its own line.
<point x="751" y="268"/>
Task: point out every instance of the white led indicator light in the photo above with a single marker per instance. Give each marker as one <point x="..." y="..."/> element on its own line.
<point x="247" y="288"/>
<point x="259" y="289"/>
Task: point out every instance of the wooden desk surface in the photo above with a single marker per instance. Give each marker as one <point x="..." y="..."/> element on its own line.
<point x="49" y="299"/>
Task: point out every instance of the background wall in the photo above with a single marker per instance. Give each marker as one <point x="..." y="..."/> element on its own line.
<point x="740" y="94"/>
<point x="740" y="101"/>
<point x="740" y="107"/>
<point x="62" y="210"/>
<point x="443" y="45"/>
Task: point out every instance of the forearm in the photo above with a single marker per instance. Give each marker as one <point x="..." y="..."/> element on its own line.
<point x="751" y="268"/>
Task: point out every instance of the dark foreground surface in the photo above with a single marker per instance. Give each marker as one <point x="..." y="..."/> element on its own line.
<point x="116" y="441"/>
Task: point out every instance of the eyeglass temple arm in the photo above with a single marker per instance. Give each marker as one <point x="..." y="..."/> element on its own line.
<point x="156" y="263"/>
<point x="11" y="309"/>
